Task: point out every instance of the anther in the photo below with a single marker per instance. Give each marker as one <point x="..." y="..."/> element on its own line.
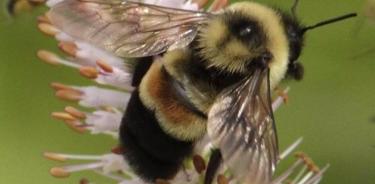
<point x="63" y="116"/>
<point x="221" y="179"/>
<point x="48" y="29"/>
<point x="199" y="164"/>
<point x="308" y="162"/>
<point x="218" y="5"/>
<point x="283" y="94"/>
<point x="104" y="66"/>
<point x="119" y="150"/>
<point x="89" y="72"/>
<point x="58" y="86"/>
<point x="75" y="112"/>
<point x="48" y="57"/>
<point x="69" y="48"/>
<point x="70" y="95"/>
<point x="280" y="99"/>
<point x="59" y="172"/>
<point x="75" y="126"/>
<point x="54" y="156"/>
<point x="43" y="19"/>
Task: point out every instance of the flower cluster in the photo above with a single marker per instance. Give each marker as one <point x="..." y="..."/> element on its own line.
<point x="109" y="103"/>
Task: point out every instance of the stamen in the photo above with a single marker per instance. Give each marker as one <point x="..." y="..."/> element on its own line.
<point x="116" y="78"/>
<point x="104" y="66"/>
<point x="82" y="167"/>
<point x="63" y="116"/>
<point x="75" y="112"/>
<point x="48" y="57"/>
<point x="54" y="156"/>
<point x="70" y="95"/>
<point x="52" y="58"/>
<point x="59" y="172"/>
<point x="218" y="5"/>
<point x="221" y="179"/>
<point x="108" y="163"/>
<point x="47" y="28"/>
<point x="87" y="55"/>
<point x="291" y="148"/>
<point x="103" y="121"/>
<point x="199" y="164"/>
<point x="112" y="176"/>
<point x="287" y="173"/>
<point x="308" y="161"/>
<point x="119" y="150"/>
<point x="89" y="72"/>
<point x="58" y="86"/>
<point x="318" y="176"/>
<point x="69" y="48"/>
<point x="200" y="3"/>
<point x="98" y="97"/>
<point x="300" y="174"/>
<point x="279" y="100"/>
<point x="283" y="94"/>
<point x="305" y="178"/>
<point x="90" y="55"/>
<point x="51" y="3"/>
<point x="65" y="157"/>
<point x="43" y="19"/>
<point x="75" y="126"/>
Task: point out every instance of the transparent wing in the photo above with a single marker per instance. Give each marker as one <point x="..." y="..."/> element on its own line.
<point x="241" y="125"/>
<point x="126" y="28"/>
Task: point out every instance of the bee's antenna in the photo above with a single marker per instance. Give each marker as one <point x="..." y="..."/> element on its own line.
<point x="294" y="8"/>
<point x="329" y="21"/>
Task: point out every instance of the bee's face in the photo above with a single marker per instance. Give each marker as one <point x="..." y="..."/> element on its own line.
<point x="243" y="36"/>
<point x="295" y="35"/>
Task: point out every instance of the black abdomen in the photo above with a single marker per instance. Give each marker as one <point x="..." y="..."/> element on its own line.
<point x="149" y="150"/>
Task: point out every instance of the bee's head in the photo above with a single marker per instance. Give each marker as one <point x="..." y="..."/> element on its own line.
<point x="245" y="36"/>
<point x="295" y="33"/>
<point x="248" y="35"/>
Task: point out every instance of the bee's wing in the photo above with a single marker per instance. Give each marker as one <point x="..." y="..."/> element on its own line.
<point x="241" y="125"/>
<point x="128" y="29"/>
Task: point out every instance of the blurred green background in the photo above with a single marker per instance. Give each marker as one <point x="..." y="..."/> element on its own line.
<point x="333" y="108"/>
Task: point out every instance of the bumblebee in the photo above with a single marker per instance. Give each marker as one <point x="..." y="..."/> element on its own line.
<point x="197" y="73"/>
<point x="14" y="7"/>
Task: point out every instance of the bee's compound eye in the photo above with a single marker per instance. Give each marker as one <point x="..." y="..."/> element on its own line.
<point x="246" y="31"/>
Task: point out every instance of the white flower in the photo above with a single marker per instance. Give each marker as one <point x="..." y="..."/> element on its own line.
<point x="109" y="103"/>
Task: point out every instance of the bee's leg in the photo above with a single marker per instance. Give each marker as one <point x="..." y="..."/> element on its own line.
<point x="151" y="153"/>
<point x="213" y="166"/>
